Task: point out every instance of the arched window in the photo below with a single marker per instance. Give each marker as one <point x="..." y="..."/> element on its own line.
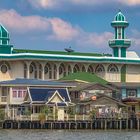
<point x="25" y="70"/>
<point x="90" y="69"/>
<point x="40" y="71"/>
<point x="113" y="73"/>
<point x="33" y="70"/>
<point x="48" y="70"/>
<point x="112" y="68"/>
<point x="55" y="71"/>
<point x="76" y="68"/>
<point x="83" y="69"/>
<point x="62" y="70"/>
<point x="4" y="67"/>
<point x="99" y="69"/>
<point x="69" y="69"/>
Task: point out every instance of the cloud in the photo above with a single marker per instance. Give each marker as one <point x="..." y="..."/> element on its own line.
<point x="73" y="4"/>
<point x="51" y="29"/>
<point x="95" y="39"/>
<point x="62" y="30"/>
<point x="23" y="24"/>
<point x="130" y="2"/>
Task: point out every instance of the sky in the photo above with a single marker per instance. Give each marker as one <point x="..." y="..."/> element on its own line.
<point x="57" y="24"/>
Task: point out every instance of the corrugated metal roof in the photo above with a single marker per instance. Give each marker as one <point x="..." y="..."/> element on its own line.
<point x="34" y="82"/>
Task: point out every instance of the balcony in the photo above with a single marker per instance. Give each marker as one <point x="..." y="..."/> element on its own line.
<point x="119" y="42"/>
<point x="4" y="99"/>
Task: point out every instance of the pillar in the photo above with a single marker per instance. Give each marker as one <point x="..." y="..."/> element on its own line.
<point x="43" y="71"/>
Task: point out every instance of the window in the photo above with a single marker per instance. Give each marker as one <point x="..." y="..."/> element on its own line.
<point x="24" y="93"/>
<point x="119" y="33"/>
<point x="14" y="94"/>
<point x="19" y="92"/>
<point x="4" y="91"/>
<point x="4" y="68"/>
<point x="131" y="93"/>
<point x="100" y="69"/>
<point x="25" y="71"/>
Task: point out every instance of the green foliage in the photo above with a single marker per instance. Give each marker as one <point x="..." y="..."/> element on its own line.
<point x="93" y="113"/>
<point x="45" y="110"/>
<point x="71" y="111"/>
<point x="2" y="114"/>
<point x="27" y="112"/>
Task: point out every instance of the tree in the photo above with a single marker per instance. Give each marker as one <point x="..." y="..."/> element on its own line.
<point x="42" y="116"/>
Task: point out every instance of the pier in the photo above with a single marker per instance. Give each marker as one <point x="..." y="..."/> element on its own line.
<point x="101" y="124"/>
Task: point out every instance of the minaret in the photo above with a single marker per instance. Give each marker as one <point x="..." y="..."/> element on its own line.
<point x="5" y="47"/>
<point x="119" y="44"/>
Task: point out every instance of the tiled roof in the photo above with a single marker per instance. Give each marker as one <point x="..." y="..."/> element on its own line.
<point x="44" y="94"/>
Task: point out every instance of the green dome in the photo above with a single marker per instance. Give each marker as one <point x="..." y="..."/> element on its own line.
<point x="3" y="32"/>
<point x="120" y="17"/>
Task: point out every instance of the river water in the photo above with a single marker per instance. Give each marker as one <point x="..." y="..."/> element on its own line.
<point x="67" y="135"/>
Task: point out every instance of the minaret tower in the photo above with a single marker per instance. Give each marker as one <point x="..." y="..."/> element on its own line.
<point x="5" y="47"/>
<point x="119" y="44"/>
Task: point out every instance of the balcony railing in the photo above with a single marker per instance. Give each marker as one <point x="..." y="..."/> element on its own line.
<point x="4" y="99"/>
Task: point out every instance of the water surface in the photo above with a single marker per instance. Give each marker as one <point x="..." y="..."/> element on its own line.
<point x="67" y="135"/>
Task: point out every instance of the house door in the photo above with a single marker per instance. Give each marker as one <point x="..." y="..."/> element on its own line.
<point x="61" y="114"/>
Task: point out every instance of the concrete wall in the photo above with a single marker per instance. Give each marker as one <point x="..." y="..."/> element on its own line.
<point x="133" y="73"/>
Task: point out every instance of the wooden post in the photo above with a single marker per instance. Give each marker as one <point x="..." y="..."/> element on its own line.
<point x="105" y="124"/>
<point x="131" y="124"/>
<point x="83" y="117"/>
<point x="91" y="124"/>
<point x="127" y="123"/>
<point x="13" y="113"/>
<point x="120" y="124"/>
<point x="138" y="124"/>
<point x="75" y="117"/>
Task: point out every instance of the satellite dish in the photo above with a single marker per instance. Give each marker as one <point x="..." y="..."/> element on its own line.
<point x="69" y="50"/>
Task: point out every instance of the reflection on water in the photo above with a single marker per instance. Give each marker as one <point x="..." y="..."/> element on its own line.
<point x="67" y="135"/>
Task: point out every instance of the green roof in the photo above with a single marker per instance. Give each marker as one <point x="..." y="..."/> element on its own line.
<point x="85" y="76"/>
<point x="58" y="52"/>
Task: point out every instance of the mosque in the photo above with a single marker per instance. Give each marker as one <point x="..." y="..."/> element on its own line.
<point x="121" y="66"/>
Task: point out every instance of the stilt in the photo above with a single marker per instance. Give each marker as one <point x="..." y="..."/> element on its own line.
<point x="138" y="124"/>
<point x="120" y="124"/>
<point x="105" y="124"/>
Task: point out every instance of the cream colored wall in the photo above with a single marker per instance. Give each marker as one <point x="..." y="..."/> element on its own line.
<point x="16" y="101"/>
<point x="5" y="76"/>
<point x="16" y="71"/>
<point x="56" y="99"/>
<point x="133" y="73"/>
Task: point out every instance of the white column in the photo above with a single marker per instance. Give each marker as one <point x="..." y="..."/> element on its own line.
<point x="72" y="66"/>
<point x="57" y="70"/>
<point x="28" y="69"/>
<point x="43" y="71"/>
<point x="119" y="49"/>
<point x="86" y="67"/>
